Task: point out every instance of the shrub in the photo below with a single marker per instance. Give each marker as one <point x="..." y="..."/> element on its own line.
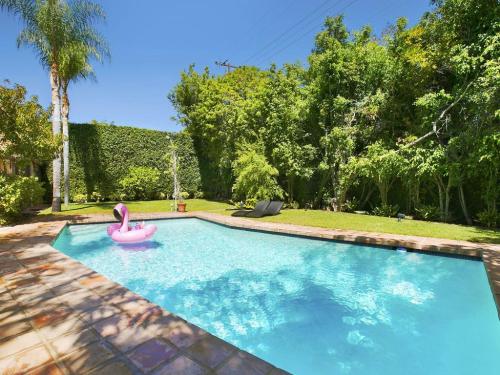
<point x="101" y="156"/>
<point x="250" y="203"/>
<point x="141" y="183"/>
<point x="16" y="194"/>
<point x="199" y="195"/>
<point x="255" y="177"/>
<point x="350" y="205"/>
<point x="184" y="195"/>
<point x="488" y="218"/>
<point x="386" y="210"/>
<point x="80" y="198"/>
<point x="95" y="197"/>
<point x="427" y="212"/>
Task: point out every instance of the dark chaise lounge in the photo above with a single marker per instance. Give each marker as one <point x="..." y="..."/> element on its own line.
<point x="258" y="211"/>
<point x="274" y="208"/>
<point x="262" y="208"/>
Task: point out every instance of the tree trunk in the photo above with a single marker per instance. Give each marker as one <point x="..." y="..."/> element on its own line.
<point x="65" y="130"/>
<point x="439" y="184"/>
<point x="447" y="201"/>
<point x="56" y="130"/>
<point x="384" y="192"/>
<point x="461" y="197"/>
<point x="290" y="189"/>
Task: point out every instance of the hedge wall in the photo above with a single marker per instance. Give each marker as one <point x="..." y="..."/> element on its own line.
<point x="101" y="154"/>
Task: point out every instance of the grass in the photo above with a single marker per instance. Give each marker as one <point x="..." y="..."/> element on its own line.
<point x="138" y="206"/>
<point x="315" y="218"/>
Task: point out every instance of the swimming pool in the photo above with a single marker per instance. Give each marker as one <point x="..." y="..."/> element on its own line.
<point x="308" y="306"/>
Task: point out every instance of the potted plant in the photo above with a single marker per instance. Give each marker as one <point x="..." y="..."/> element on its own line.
<point x="181" y="205"/>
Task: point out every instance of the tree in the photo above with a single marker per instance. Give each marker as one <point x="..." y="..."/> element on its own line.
<point x="75" y="63"/>
<point x="382" y="166"/>
<point x="49" y="26"/>
<point x="284" y="109"/>
<point x="255" y="177"/>
<point x="25" y="133"/>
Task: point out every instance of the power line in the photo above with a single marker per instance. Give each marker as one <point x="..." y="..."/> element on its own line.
<point x="287" y="31"/>
<point x="226" y="64"/>
<point x="265" y="15"/>
<point x="268" y="56"/>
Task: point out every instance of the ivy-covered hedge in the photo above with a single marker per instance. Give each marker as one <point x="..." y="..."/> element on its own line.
<point x="101" y="155"/>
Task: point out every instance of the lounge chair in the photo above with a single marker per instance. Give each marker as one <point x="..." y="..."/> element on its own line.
<point x="273" y="208"/>
<point x="258" y="211"/>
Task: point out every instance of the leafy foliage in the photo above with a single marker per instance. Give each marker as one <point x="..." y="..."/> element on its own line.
<point x="413" y="114"/>
<point x="16" y="194"/>
<point x="141" y="183"/>
<point x="255" y="177"/>
<point x="101" y="156"/>
<point x="25" y="133"/>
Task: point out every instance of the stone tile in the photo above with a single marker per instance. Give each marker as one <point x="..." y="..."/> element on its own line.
<point x="50" y="369"/>
<point x="13" y="322"/>
<point x="150" y="354"/>
<point x="62" y="327"/>
<point x="210" y="351"/>
<point x="181" y="333"/>
<point x="21" y="363"/>
<point x="92" y="281"/>
<point x="115" y="368"/>
<point x="243" y="363"/>
<point x="87" y="358"/>
<point x="19" y="343"/>
<point x="82" y="300"/>
<point x="129" y="338"/>
<point x="112" y="326"/>
<point x="278" y="371"/>
<point x="181" y="366"/>
<point x="98" y="313"/>
<point x="51" y="317"/>
<point x="69" y="343"/>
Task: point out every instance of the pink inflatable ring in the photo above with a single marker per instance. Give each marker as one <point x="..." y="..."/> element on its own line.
<point x="122" y="233"/>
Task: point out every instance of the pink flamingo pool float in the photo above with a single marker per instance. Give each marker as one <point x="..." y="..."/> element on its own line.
<point x="123" y="233"/>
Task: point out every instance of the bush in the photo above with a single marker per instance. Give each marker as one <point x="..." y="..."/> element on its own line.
<point x="16" y="194"/>
<point x="427" y="212"/>
<point x="101" y="156"/>
<point x="250" y="203"/>
<point x="386" y="210"/>
<point x="184" y="195"/>
<point x="95" y="197"/>
<point x="488" y="218"/>
<point x="141" y="183"/>
<point x="199" y="195"/>
<point x="350" y="205"/>
<point x="80" y="198"/>
<point x="255" y="177"/>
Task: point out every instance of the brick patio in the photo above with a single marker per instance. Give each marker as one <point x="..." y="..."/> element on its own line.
<point x="59" y="317"/>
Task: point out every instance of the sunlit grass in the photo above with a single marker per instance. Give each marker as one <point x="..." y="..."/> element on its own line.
<point x="315" y="218"/>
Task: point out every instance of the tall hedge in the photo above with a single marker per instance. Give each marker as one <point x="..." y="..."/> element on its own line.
<point x="102" y="154"/>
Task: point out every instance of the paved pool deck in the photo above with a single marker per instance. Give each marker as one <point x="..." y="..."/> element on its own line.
<point x="59" y="317"/>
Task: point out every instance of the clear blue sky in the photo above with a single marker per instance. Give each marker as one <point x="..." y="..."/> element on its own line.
<point x="152" y="41"/>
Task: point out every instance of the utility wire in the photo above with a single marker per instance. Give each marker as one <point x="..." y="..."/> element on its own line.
<point x="292" y="27"/>
<point x="265" y="15"/>
<point x="269" y="56"/>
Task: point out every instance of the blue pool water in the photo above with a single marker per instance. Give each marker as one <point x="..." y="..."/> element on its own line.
<point x="309" y="306"/>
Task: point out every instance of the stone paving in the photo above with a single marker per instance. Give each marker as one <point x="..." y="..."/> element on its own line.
<point x="59" y="317"/>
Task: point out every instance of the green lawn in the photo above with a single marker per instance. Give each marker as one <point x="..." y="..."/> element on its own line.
<point x="315" y="218"/>
<point x="139" y="206"/>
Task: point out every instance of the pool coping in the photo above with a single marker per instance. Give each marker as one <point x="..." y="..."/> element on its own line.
<point x="55" y="311"/>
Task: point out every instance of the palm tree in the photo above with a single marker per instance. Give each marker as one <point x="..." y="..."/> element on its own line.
<point x="74" y="64"/>
<point x="49" y="26"/>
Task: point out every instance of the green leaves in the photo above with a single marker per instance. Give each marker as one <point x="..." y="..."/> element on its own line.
<point x="255" y="177"/>
<point x="25" y="132"/>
